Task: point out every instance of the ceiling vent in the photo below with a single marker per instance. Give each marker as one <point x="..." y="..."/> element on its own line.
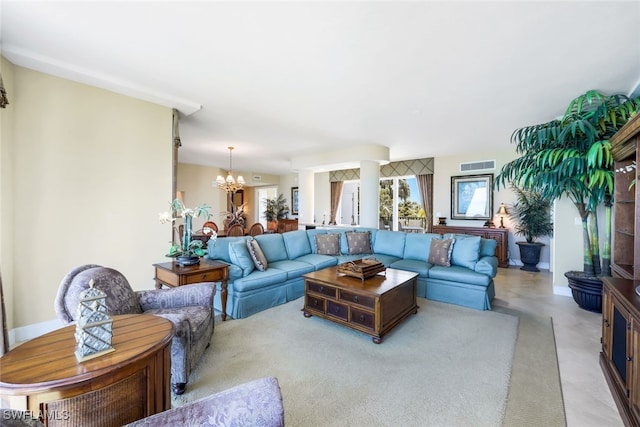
<point x="483" y="165"/>
<point x="256" y="177"/>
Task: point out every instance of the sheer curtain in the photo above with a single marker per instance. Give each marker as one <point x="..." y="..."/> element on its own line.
<point x="425" y="189"/>
<point x="336" y="193"/>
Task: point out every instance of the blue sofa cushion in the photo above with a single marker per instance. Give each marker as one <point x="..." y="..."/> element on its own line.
<point x="386" y="260"/>
<point x="297" y="243"/>
<point x="254" y="250"/>
<point x="239" y="255"/>
<point x="440" y="252"/>
<point x="488" y="247"/>
<point x="458" y="274"/>
<point x="389" y="243"/>
<point x="466" y="251"/>
<point x="294" y="269"/>
<point x="319" y="261"/>
<point x="260" y="279"/>
<point x="420" y="267"/>
<point x="359" y="242"/>
<point x="417" y="245"/>
<point x="328" y="244"/>
<point x="219" y="248"/>
<point x="272" y="246"/>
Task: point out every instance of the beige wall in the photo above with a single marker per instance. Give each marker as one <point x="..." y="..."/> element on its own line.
<point x="6" y="191"/>
<point x="91" y="171"/>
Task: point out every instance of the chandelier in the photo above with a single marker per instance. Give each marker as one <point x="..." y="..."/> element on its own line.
<point x="230" y="185"/>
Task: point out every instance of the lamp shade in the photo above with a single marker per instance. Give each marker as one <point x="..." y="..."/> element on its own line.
<point x="502" y="210"/>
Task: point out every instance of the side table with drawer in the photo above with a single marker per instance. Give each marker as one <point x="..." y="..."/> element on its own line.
<point x="173" y="275"/>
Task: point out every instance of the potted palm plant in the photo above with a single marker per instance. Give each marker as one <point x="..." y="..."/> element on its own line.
<point x="570" y="156"/>
<point x="275" y="208"/>
<point x="531" y="218"/>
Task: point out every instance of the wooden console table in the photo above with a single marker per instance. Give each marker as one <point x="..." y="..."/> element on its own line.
<point x="500" y="235"/>
<point x="174" y="275"/>
<point x="44" y="377"/>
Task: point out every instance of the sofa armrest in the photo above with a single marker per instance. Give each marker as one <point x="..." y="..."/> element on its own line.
<point x="258" y="402"/>
<point x="487" y="265"/>
<point x="182" y="296"/>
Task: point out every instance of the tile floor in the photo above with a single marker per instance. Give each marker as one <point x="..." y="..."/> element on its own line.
<point x="587" y="398"/>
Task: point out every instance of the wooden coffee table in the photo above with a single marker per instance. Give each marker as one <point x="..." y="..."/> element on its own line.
<point x="44" y="377"/>
<point x="373" y="306"/>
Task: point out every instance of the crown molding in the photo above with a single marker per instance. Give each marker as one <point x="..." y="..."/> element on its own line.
<point x="33" y="61"/>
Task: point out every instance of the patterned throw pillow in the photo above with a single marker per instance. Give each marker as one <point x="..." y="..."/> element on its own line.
<point x="328" y="244"/>
<point x="257" y="255"/>
<point x="359" y="242"/>
<point x="440" y="252"/>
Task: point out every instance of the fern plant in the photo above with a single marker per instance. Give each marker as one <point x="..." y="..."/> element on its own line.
<point x="530" y="214"/>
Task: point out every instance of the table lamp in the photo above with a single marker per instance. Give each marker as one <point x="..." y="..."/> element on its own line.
<point x="502" y="211"/>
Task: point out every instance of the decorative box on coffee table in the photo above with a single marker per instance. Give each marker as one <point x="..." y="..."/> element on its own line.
<point x="372" y="305"/>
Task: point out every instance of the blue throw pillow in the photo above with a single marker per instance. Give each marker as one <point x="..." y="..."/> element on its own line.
<point x="239" y="255"/>
<point x="466" y="251"/>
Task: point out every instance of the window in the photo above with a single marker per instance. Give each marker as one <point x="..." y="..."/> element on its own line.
<point x="399" y="199"/>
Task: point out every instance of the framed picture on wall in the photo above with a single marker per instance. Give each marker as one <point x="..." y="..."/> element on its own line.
<point x="472" y="197"/>
<point x="294" y="200"/>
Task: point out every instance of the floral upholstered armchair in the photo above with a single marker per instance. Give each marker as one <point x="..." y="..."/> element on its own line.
<point x="189" y="308"/>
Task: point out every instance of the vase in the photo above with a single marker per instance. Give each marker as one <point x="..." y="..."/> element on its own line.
<point x="187" y="258"/>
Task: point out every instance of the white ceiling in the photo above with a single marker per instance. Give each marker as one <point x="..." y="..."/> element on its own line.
<point x="281" y="80"/>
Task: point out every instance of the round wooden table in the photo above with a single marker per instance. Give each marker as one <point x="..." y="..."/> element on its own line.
<point x="44" y="377"/>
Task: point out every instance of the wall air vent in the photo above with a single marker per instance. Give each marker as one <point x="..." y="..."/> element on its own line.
<point x="483" y="165"/>
<point x="256" y="177"/>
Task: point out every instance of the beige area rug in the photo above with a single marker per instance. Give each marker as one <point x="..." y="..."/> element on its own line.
<point x="535" y="392"/>
<point x="445" y="366"/>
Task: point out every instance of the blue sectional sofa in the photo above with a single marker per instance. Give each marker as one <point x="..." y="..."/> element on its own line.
<point x="468" y="281"/>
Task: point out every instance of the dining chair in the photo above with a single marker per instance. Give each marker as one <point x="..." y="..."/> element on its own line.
<point x="256" y="229"/>
<point x="209" y="224"/>
<point x="235" y="230"/>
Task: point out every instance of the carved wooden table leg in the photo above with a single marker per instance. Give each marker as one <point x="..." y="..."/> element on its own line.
<point x="223" y="299"/>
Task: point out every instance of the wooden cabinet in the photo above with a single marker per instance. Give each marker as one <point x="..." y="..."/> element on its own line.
<point x="285" y="225"/>
<point x="626" y="222"/>
<point x="620" y="355"/>
<point x="500" y="235"/>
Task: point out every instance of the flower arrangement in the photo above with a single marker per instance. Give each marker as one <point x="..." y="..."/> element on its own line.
<point x="186" y="249"/>
<point x="235" y="216"/>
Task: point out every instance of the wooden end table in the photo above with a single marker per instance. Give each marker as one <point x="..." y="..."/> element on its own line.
<point x="174" y="275"/>
<point x="44" y="377"/>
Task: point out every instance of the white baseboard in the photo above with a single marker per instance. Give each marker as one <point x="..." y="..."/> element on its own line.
<point x="562" y="290"/>
<point x="541" y="265"/>
<point x="24" y="333"/>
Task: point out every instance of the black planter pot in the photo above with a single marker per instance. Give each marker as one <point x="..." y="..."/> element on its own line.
<point x="530" y="255"/>
<point x="586" y="290"/>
